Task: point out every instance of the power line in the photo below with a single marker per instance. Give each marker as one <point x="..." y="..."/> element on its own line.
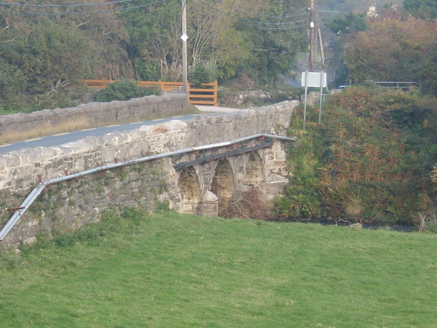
<point x="124" y="1"/>
<point x="258" y="24"/>
<point x="83" y="12"/>
<point x="332" y="11"/>
<point x="244" y="19"/>
<point x="261" y="25"/>
<point x="266" y="16"/>
<point x="66" y="5"/>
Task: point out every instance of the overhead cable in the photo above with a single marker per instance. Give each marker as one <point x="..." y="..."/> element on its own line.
<point x="83" y="12"/>
<point x="266" y="16"/>
<point x="261" y="25"/>
<point x="65" y="5"/>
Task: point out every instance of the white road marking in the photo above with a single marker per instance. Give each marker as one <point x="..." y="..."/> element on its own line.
<point x="5" y="145"/>
<point x="32" y="139"/>
<point x="136" y="123"/>
<point x="110" y="126"/>
<point x="61" y="134"/>
<point x="89" y="129"/>
<point x="157" y="119"/>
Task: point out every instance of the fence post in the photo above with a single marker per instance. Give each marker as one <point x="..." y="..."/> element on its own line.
<point x="215" y="93"/>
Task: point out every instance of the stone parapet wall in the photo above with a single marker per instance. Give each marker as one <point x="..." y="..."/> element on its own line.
<point x="20" y="171"/>
<point x="99" y="114"/>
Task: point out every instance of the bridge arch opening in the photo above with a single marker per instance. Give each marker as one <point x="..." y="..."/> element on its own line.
<point x="190" y="190"/>
<point x="223" y="184"/>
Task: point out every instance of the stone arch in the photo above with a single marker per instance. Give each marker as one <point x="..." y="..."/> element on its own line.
<point x="254" y="170"/>
<point x="190" y="190"/>
<point x="223" y="183"/>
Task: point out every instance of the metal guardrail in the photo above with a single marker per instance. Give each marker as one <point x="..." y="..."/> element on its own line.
<point x="403" y="86"/>
<point x="207" y="95"/>
<point x="19" y="211"/>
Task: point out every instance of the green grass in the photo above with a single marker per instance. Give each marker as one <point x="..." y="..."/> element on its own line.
<point x="174" y="270"/>
<point x="11" y="111"/>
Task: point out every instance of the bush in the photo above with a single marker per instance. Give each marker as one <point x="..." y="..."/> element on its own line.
<point x="148" y="71"/>
<point x="371" y="160"/>
<point x="125" y="90"/>
<point x="12" y="81"/>
<point x="203" y="72"/>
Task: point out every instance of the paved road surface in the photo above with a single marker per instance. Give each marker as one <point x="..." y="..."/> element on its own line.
<point x="63" y="138"/>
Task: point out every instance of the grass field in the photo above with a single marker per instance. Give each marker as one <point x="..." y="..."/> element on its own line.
<point x="174" y="270"/>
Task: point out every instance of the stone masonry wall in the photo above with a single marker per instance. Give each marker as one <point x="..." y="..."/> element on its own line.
<point x="98" y="114"/>
<point x="73" y="203"/>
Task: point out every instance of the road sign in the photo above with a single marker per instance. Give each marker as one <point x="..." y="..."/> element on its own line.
<point x="314" y="80"/>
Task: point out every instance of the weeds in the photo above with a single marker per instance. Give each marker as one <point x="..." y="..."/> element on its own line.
<point x="162" y="207"/>
<point x="428" y="221"/>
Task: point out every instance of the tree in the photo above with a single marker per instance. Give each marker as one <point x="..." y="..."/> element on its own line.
<point x="230" y="33"/>
<point x="12" y="82"/>
<point x="154" y="38"/>
<point x="274" y="41"/>
<point x="350" y="23"/>
<point x="424" y="9"/>
<point x="391" y="50"/>
<point x="47" y="59"/>
<point x="342" y="27"/>
<point x="51" y="52"/>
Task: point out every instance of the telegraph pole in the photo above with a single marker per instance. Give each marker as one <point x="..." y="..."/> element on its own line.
<point x="184" y="38"/>
<point x="312" y="38"/>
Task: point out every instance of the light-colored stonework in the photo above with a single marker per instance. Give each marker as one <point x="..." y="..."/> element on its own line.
<point x="98" y="114"/>
<point x="74" y="203"/>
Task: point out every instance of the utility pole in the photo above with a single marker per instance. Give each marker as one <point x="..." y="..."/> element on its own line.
<point x="312" y="38"/>
<point x="322" y="53"/>
<point x="184" y="38"/>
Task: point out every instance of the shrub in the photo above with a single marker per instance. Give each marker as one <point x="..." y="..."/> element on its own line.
<point x="203" y="72"/>
<point x="148" y="71"/>
<point x="370" y="160"/>
<point x="125" y="90"/>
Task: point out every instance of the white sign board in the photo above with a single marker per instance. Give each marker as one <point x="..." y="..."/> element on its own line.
<point x="315" y="79"/>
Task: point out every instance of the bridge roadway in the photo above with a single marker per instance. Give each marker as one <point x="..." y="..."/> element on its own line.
<point x="63" y="138"/>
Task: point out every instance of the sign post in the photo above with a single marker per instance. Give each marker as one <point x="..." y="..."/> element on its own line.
<point x="321" y="96"/>
<point x="313" y="80"/>
<point x="305" y="104"/>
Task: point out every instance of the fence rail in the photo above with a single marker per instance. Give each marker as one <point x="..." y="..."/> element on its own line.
<point x="206" y="95"/>
<point x="403" y="86"/>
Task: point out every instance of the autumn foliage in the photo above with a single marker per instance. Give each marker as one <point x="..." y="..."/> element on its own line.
<point x="394" y="50"/>
<point x="371" y="160"/>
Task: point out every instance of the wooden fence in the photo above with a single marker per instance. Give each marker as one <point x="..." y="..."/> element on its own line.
<point x="206" y="95"/>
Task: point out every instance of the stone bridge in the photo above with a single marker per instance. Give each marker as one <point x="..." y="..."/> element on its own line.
<point x="239" y="180"/>
<point x="232" y="165"/>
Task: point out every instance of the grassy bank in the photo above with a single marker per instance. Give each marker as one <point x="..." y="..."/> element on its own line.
<point x="174" y="270"/>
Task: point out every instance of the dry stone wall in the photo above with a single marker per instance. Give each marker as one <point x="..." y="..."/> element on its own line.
<point x="99" y="114"/>
<point x="75" y="203"/>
